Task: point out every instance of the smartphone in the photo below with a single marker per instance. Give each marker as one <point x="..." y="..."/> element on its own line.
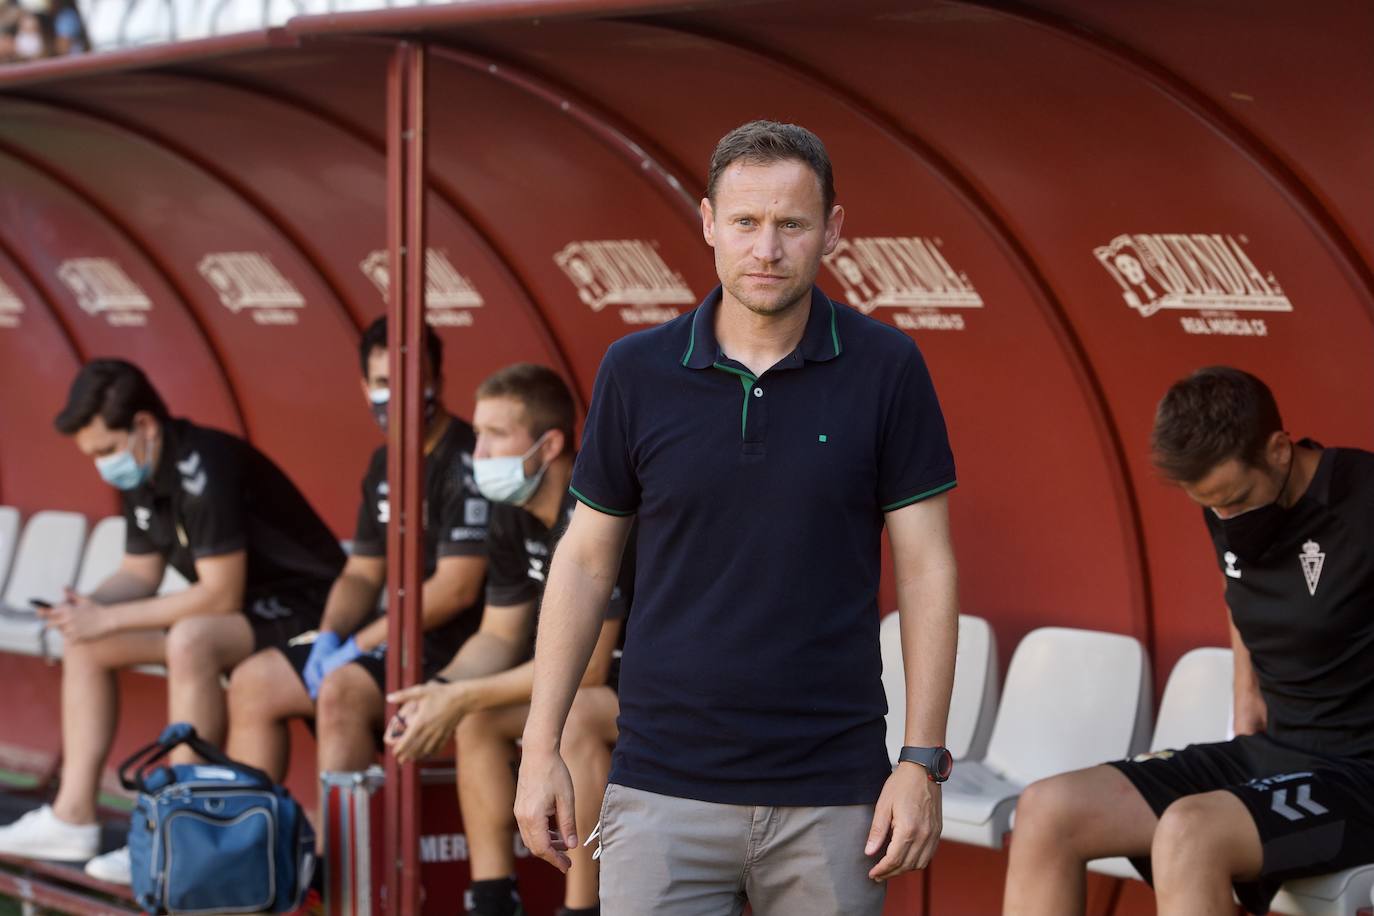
<point x="39" y="602"/>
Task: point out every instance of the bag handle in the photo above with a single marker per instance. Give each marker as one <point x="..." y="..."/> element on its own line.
<point x="172" y="737"/>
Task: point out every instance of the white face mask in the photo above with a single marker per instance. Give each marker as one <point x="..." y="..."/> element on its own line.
<point x="28" y="45"/>
<point x="503" y="480"/>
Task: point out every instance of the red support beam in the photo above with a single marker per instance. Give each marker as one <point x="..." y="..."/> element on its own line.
<point x="405" y="141"/>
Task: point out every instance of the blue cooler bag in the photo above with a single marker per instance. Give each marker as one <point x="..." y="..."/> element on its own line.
<point x="217" y="837"/>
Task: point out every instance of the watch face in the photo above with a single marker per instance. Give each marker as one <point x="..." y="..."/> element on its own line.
<point x="943" y="763"/>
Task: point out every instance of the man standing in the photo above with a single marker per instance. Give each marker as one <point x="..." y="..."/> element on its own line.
<point x="762" y="441"/>
<point x="212" y="506"/>
<point x="340" y="679"/>
<point x="1293" y="794"/>
<point x="524" y="460"/>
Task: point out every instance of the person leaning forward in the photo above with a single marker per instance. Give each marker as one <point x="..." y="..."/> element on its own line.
<point x="762" y="441"/>
<point x="1292" y="795"/>
<point x="218" y="511"/>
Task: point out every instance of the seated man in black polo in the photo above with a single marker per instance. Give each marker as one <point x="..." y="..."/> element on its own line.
<point x="524" y="458"/>
<point x="217" y="510"/>
<point x="339" y="679"/>
<point x="1292" y="794"/>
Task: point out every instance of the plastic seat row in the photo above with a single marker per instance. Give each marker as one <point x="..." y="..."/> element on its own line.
<point x="1072" y="699"/>
<point x="53" y="553"/>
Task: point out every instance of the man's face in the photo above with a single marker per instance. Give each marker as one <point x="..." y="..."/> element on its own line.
<point x="502" y="428"/>
<point x="379" y="373"/>
<point x="769" y="229"/>
<point x="1234" y="487"/>
<point x="96" y="440"/>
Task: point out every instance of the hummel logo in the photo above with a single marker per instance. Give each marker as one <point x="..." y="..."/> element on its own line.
<point x="194" y="485"/>
<point x="1231" y="559"/>
<point x="190" y="465"/>
<point x="1303" y="799"/>
<point x="1312" y="559"/>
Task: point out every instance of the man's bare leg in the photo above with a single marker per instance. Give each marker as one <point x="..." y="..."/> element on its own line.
<point x="348" y="718"/>
<point x="1203" y="843"/>
<point x="1062" y="823"/>
<point x="486" y="788"/>
<point x="200" y="650"/>
<point x="588" y="737"/>
<point x="265" y="693"/>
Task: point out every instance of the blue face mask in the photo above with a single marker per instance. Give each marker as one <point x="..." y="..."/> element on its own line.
<point x="503" y="480"/>
<point x="121" y="471"/>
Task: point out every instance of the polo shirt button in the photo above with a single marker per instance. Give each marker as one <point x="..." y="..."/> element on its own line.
<point x="758" y="392"/>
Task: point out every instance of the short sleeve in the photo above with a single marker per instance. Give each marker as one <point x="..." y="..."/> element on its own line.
<point x="463" y="515"/>
<point x="369" y="536"/>
<point x="604" y="476"/>
<point x="211" y="502"/>
<point x="136" y="540"/>
<point x="914" y="461"/>
<point x="508" y="577"/>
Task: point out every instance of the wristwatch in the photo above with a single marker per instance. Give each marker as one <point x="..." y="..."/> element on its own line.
<point x="938" y="761"/>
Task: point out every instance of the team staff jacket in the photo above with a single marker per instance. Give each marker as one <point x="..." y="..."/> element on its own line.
<point x="455" y="522"/>
<point x="214" y="494"/>
<point x="521" y="549"/>
<point x="1305" y="610"/>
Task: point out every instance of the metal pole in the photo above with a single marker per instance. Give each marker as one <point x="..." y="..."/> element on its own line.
<point x="405" y="472"/>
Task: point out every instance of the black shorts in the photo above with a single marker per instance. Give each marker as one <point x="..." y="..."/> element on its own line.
<point x="374" y="663"/>
<point x="1315" y="814"/>
<point x="278" y="618"/>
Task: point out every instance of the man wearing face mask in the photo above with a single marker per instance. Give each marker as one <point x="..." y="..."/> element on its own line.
<point x="339" y="679"/>
<point x="524" y="420"/>
<point x="1292" y="795"/>
<point x="217" y="510"/>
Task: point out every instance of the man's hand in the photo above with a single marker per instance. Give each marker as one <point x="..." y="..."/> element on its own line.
<point x="909" y="812"/>
<point x="326" y="642"/>
<point x="78" y="618"/>
<point x="329" y="663"/>
<point x="544" y="807"/>
<point x="428" y="715"/>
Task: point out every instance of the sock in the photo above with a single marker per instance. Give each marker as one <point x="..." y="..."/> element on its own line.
<point x="494" y="897"/>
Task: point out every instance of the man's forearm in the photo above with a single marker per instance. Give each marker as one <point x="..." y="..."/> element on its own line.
<point x="483" y="654"/>
<point x="351" y="599"/>
<point x="163" y="611"/>
<point x="122" y="586"/>
<point x="929" y="608"/>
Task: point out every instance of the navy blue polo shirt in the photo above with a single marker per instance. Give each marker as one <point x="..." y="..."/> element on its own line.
<point x="751" y="672"/>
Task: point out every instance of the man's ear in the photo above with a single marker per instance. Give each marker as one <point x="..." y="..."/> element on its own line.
<point x="708" y="222"/>
<point x="555" y="444"/>
<point x="833" y="224"/>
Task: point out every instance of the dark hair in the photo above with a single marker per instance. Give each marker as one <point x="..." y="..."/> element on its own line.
<point x="763" y="142"/>
<point x="374" y="338"/>
<point x="1213" y="415"/>
<point x="112" y="389"/>
<point x="546" y="397"/>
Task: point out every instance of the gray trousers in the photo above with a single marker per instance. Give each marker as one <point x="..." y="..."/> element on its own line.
<point x="671" y="856"/>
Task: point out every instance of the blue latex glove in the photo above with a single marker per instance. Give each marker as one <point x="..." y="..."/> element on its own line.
<point x="337" y="659"/>
<point x="324" y="646"/>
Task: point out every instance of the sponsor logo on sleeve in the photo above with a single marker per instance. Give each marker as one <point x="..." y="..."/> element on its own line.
<point x="248" y="280"/>
<point x="1211" y="274"/>
<point x="143" y="517"/>
<point x="11" y="307"/>
<point x="910" y="274"/>
<point x="448" y="294"/>
<point x="475" y="512"/>
<point x="102" y="288"/>
<point x="628" y="273"/>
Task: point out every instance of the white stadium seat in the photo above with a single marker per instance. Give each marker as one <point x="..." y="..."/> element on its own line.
<point x="1073" y="698"/>
<point x="974" y="701"/>
<point x="104" y="550"/>
<point x="1195" y="709"/>
<point x="9" y="537"/>
<point x="45" y="563"/>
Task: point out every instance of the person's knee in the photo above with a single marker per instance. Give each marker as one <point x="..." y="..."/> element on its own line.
<point x="1047" y="809"/>
<point x="476" y="729"/>
<point x="254" y="685"/>
<point x="1186" y="836"/>
<point x="191" y="646"/>
<point x="582" y="731"/>
<point x="348" y="696"/>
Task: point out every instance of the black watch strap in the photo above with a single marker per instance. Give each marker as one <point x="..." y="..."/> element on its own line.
<point x="937" y="761"/>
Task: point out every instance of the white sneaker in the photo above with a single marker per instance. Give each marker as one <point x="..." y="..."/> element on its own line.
<point x="112" y="867"/>
<point x="40" y="834"/>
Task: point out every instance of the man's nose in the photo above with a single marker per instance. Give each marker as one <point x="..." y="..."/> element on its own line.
<point x="767" y="245"/>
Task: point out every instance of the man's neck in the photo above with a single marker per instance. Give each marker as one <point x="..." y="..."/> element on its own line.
<point x="547" y="501"/>
<point x="759" y="341"/>
<point x="437" y="427"/>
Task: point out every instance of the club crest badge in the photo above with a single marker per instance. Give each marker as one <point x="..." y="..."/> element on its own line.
<point x="1313" y="558"/>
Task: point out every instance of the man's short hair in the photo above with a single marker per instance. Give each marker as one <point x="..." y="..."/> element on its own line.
<point x="112" y="389"/>
<point x="765" y="142"/>
<point x="1212" y="416"/>
<point x="374" y="338"/>
<point x="548" y="402"/>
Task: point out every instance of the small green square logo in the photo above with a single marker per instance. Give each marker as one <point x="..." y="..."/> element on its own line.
<point x="821" y="438"/>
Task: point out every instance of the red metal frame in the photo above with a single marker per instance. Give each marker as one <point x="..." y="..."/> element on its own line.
<point x="405" y="129"/>
<point x="35" y="885"/>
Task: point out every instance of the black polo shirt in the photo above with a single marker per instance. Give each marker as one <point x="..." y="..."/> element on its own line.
<point x="751" y="672"/>
<point x="1305" y="610"/>
<point x="520" y="551"/>
<point x="455" y="522"/>
<point x="213" y="494"/>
